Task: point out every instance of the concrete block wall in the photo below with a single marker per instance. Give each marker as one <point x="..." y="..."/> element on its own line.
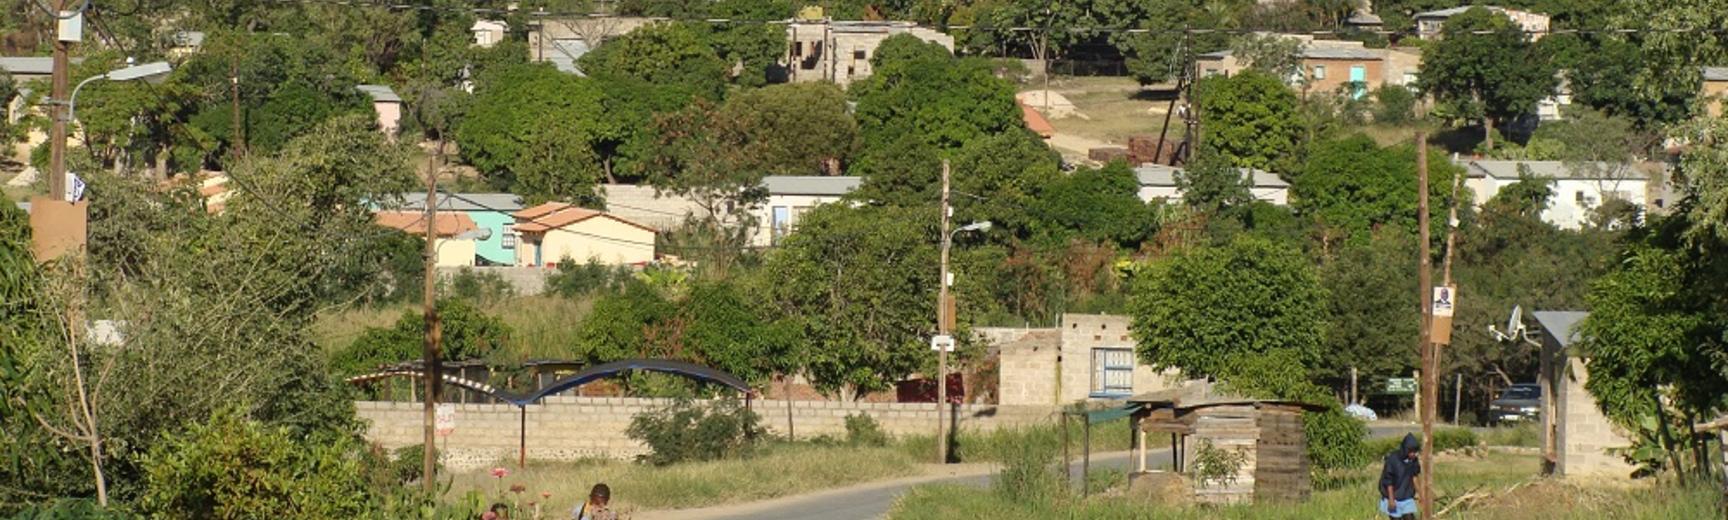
<point x="573" y="428"/>
<point x="527" y="280"/>
<point x="1585" y="434"/>
<point x="1083" y="332"/>
<point x="1052" y="367"/>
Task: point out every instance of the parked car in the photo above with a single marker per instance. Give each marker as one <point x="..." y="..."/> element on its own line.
<point x="1518" y="403"/>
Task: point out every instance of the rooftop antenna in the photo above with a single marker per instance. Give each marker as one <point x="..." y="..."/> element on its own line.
<point x="1515" y="329"/>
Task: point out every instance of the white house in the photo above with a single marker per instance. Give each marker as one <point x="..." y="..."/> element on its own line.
<point x="1578" y="189"/>
<point x="1431" y="23"/>
<point x="488" y="32"/>
<point x="789" y="197"/>
<point x="1158" y="181"/>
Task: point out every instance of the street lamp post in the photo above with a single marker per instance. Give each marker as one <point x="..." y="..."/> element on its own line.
<point x="945" y="319"/>
<point x="152" y="71"/>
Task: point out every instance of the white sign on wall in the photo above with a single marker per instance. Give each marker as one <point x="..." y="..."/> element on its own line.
<point x="444" y="420"/>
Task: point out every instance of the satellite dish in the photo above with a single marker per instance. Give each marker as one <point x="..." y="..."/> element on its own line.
<point x="1515" y="329"/>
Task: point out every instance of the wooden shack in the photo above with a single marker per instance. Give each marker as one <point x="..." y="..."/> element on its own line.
<point x="1267" y="435"/>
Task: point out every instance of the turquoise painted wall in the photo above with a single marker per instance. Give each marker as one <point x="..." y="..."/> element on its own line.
<point x="492" y="249"/>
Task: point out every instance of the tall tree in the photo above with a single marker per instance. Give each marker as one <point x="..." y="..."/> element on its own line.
<point x="533" y="130"/>
<point x="1485" y="67"/>
<point x="1209" y="311"/>
<point x="1351" y="186"/>
<point x="850" y="277"/>
<point x="663" y="53"/>
<point x="922" y="91"/>
<point x="1251" y="118"/>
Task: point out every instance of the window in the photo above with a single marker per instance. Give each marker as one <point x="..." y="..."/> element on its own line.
<point x="797" y="49"/>
<point x="1319" y="72"/>
<point x="1112" y="372"/>
<point x="858" y="54"/>
<point x="508" y="241"/>
<point x="781" y="223"/>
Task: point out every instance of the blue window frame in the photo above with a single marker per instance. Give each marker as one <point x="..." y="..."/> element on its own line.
<point x="1112" y="372"/>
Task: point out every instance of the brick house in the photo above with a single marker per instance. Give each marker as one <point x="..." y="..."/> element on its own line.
<point x="1329" y="66"/>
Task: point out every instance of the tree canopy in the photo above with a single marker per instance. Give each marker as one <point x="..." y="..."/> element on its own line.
<point x="1486" y="67"/>
<point x="1251" y="118"/>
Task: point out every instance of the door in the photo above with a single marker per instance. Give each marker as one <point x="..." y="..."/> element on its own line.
<point x="1358" y="81"/>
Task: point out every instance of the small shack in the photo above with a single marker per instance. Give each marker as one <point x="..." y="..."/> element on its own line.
<point x="1262" y="438"/>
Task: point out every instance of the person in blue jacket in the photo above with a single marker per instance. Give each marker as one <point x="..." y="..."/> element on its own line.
<point x="1398" y="480"/>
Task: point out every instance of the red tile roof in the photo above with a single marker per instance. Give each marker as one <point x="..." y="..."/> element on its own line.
<point x="553" y="215"/>
<point x="414" y="222"/>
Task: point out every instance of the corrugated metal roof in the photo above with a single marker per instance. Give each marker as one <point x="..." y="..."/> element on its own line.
<point x="380" y="93"/>
<point x="1715" y="73"/>
<point x="1161" y="175"/>
<point x="35" y="65"/>
<point x="1451" y="11"/>
<point x="1324" y="52"/>
<point x="564" y="54"/>
<point x="504" y="202"/>
<point x="1561" y="325"/>
<point x="1549" y="169"/>
<point x="189" y="38"/>
<point x="810" y="185"/>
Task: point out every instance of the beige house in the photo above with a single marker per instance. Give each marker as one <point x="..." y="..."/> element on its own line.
<point x="558" y="232"/>
<point x="455" y="233"/>
<point x="387" y="106"/>
<point x="1329" y="66"/>
<point x="840" y="51"/>
<point x="1715" y="84"/>
<point x="1086" y="357"/>
<point x="564" y="39"/>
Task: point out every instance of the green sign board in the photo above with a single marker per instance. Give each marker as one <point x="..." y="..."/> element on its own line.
<point x="1401" y="386"/>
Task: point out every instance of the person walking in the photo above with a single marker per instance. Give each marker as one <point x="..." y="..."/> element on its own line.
<point x="596" y="508"/>
<point x="1398" y="480"/>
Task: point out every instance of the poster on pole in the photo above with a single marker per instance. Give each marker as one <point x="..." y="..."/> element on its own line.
<point x="942" y="343"/>
<point x="444" y="420"/>
<point x="1445" y="302"/>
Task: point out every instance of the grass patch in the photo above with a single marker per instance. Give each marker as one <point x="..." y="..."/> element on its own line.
<point x="1112" y="109"/>
<point x="1515" y="493"/>
<point x="778" y="470"/>
<point x="999" y="445"/>
<point x="1523" y="435"/>
<point x="541" y="327"/>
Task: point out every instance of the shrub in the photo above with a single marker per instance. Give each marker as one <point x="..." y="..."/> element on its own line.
<point x="234" y="467"/>
<point x="68" y="509"/>
<point x="1027" y="476"/>
<point x="1445" y="439"/>
<point x="1335" y="440"/>
<point x="862" y="430"/>
<point x="687" y="431"/>
<point x="468" y="284"/>
<point x="574" y="280"/>
<point x="1394" y="105"/>
<point x="1214" y="465"/>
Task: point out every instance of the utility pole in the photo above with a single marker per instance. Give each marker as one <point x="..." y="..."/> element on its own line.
<point x="238" y="132"/>
<point x="942" y="325"/>
<point x="433" y="376"/>
<point x="1426" y="390"/>
<point x="1353" y="399"/>
<point x="62" y="81"/>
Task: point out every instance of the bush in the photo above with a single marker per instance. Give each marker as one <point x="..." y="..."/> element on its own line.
<point x="1214" y="465"/>
<point x="1394" y="105"/>
<point x="862" y="430"/>
<point x="68" y="509"/>
<point x="687" y="431"/>
<point x="1335" y="441"/>
<point x="1027" y="476"/>
<point x="234" y="467"/>
<point x="485" y="287"/>
<point x="574" y="280"/>
<point x="1445" y="439"/>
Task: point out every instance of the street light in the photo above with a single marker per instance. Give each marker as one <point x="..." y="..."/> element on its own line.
<point x="975" y="226"/>
<point x="152" y="72"/>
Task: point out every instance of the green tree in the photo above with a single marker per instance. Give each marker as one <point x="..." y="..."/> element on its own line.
<point x="1350" y="186"/>
<point x="1705" y="167"/>
<point x="849" y="278"/>
<point x="1100" y="204"/>
<point x="1373" y="307"/>
<point x="1159" y="54"/>
<point x="1494" y="75"/>
<point x="535" y="122"/>
<point x="793" y="129"/>
<point x="1274" y="54"/>
<point x="944" y="100"/>
<point x="1206" y="310"/>
<point x="468" y="334"/>
<point x="662" y="53"/>
<point x="1251" y="117"/>
<point x="1210" y="183"/>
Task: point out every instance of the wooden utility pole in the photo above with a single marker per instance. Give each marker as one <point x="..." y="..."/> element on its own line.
<point x="1426" y="390"/>
<point x="61" y="84"/>
<point x="237" y="135"/>
<point x="942" y="328"/>
<point x="433" y="376"/>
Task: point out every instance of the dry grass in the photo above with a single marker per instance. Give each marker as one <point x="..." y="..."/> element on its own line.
<point x="541" y="326"/>
<point x="779" y="471"/>
<point x="1507" y="484"/>
<point x="1112" y="109"/>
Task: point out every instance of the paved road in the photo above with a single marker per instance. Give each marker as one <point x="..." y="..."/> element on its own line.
<point x="873" y="500"/>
